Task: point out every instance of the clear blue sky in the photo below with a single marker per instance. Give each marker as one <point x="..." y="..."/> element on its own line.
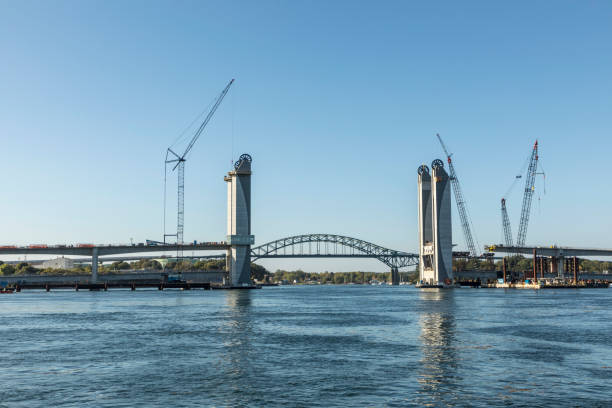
<point x="337" y="102"/>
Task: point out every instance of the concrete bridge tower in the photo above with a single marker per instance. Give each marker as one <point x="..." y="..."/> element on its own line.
<point x="238" y="259"/>
<point x="435" y="228"/>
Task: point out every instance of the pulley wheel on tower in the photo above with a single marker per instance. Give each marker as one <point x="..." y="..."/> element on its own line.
<point x="437" y="163"/>
<point x="423" y="169"/>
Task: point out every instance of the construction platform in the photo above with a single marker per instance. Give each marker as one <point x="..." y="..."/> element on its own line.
<point x="565" y="285"/>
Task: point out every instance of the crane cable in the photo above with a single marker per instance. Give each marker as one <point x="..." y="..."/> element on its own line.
<point x="183" y="135"/>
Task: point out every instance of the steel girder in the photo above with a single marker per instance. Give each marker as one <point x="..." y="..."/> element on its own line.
<point x="359" y="249"/>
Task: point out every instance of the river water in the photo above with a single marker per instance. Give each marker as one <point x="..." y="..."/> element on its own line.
<point x="307" y="346"/>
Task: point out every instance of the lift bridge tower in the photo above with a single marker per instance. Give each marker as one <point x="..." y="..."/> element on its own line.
<point x="238" y="257"/>
<point x="435" y="227"/>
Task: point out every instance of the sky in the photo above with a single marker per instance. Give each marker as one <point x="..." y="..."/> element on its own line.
<point x="337" y="102"/>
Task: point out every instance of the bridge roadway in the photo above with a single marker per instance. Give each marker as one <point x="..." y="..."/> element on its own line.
<point x="550" y="251"/>
<point x="109" y="249"/>
<point x="94" y="251"/>
<point x="556" y="253"/>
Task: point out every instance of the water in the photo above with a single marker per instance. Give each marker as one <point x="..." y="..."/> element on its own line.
<point x="307" y="346"/>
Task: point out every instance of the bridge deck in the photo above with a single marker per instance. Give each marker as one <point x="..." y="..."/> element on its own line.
<point x="109" y="249"/>
<point x="551" y="251"/>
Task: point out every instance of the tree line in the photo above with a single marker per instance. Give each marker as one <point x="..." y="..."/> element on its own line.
<point x="260" y="273"/>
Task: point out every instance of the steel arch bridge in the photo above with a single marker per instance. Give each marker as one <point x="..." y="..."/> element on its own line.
<point x="332" y="246"/>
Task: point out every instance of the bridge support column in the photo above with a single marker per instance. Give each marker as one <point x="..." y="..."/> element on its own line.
<point x="239" y="222"/>
<point x="561" y="267"/>
<point x="535" y="259"/>
<point x="435" y="227"/>
<point x="395" y="276"/>
<point x="94" y="265"/>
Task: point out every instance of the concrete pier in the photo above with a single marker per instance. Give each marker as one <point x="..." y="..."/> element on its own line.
<point x="435" y="228"/>
<point x="239" y="235"/>
<point x="395" y="276"/>
<point x="94" y="265"/>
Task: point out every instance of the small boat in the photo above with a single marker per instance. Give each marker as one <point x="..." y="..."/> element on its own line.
<point x="7" y="290"/>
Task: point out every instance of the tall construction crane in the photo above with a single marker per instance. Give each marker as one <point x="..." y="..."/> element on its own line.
<point x="528" y="195"/>
<point x="172" y="157"/>
<point x="506" y="224"/>
<point x="461" y="205"/>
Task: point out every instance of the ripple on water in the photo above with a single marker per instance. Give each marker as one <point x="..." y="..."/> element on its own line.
<point x="306" y="346"/>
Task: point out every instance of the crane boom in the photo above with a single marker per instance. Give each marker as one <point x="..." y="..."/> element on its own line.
<point x="461" y="204"/>
<point x="180" y="163"/>
<point x="207" y="119"/>
<point x="506" y="224"/>
<point x="528" y="195"/>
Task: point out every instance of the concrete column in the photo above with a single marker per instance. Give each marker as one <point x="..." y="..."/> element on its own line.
<point x="239" y="222"/>
<point x="395" y="277"/>
<point x="435" y="227"/>
<point x="535" y="259"/>
<point x="441" y="223"/>
<point x="561" y="266"/>
<point x="228" y="267"/>
<point x="426" y="252"/>
<point x="94" y="265"/>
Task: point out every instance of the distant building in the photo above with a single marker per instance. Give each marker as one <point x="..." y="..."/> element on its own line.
<point x="59" y="263"/>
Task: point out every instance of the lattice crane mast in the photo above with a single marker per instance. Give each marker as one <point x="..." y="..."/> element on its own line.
<point x="528" y="195"/>
<point x="506" y="224"/>
<point x="180" y="164"/>
<point x="461" y="204"/>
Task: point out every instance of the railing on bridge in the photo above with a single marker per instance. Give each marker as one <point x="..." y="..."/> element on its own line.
<point x="330" y="245"/>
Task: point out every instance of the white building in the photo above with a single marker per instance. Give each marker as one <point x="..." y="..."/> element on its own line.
<point x="59" y="263"/>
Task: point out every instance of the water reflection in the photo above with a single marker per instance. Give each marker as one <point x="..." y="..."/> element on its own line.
<point x="437" y="373"/>
<point x="238" y="351"/>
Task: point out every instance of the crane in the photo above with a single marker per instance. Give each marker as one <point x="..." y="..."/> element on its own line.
<point x="173" y="157"/>
<point x="528" y="195"/>
<point x="461" y="205"/>
<point x="506" y="224"/>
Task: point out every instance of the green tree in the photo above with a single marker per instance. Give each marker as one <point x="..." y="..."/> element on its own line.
<point x="7" y="269"/>
<point x="183" y="266"/>
<point x="459" y="264"/>
<point x="24" y="268"/>
<point x="258" y="272"/>
<point x="524" y="264"/>
<point x="473" y="264"/>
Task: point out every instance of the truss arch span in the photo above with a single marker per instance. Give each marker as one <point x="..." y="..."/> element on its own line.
<point x="332" y="245"/>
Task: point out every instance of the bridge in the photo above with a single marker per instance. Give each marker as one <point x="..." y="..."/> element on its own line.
<point x="333" y="246"/>
<point x="298" y="246"/>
